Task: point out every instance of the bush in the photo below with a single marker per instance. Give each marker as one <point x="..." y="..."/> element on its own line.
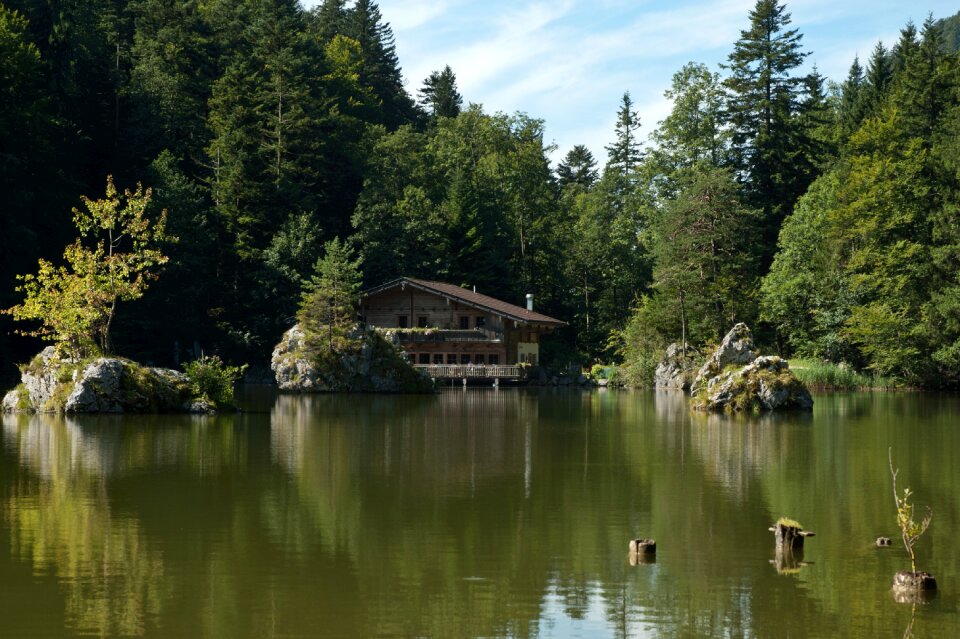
<point x="827" y="376"/>
<point x="212" y="380"/>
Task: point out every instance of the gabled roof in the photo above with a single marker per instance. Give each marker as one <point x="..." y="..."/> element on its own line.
<point x="469" y="298"/>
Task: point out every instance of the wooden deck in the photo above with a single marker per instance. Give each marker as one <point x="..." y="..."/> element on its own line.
<point x="467" y="371"/>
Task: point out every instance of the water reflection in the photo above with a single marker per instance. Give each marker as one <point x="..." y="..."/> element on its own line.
<point x="60" y="522"/>
<point x="471" y="513"/>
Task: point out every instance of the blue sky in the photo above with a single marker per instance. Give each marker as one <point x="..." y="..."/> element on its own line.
<point x="568" y="62"/>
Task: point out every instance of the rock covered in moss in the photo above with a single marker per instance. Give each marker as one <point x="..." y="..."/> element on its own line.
<point x="762" y="383"/>
<point x="737" y="347"/>
<point x="676" y="369"/>
<point x="50" y="383"/>
<point x="365" y="362"/>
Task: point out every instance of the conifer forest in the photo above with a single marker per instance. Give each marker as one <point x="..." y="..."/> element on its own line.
<point x="823" y="212"/>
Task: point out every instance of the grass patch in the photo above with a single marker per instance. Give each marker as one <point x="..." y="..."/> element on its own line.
<point x="821" y="375"/>
<point x="789" y="523"/>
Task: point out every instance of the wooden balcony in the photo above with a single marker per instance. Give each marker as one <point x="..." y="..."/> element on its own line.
<point x="420" y="335"/>
<point x="472" y="371"/>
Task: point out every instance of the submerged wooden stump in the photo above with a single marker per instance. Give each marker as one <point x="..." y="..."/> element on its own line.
<point x="643" y="547"/>
<point x="884" y="542"/>
<point x="789" y="536"/>
<point x="643" y="551"/>
<point x="906" y="580"/>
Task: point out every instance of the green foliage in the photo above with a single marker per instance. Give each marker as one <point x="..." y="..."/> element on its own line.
<point x="829" y="376"/>
<point x="213" y="380"/>
<point x="439" y="94"/>
<point x="910" y="529"/>
<point x="328" y="305"/>
<point x="76" y="303"/>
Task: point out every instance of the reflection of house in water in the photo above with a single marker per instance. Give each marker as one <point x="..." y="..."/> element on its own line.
<point x="442" y="325"/>
<point x="457" y="438"/>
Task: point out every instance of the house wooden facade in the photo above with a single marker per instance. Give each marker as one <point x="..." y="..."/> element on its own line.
<point x="444" y="324"/>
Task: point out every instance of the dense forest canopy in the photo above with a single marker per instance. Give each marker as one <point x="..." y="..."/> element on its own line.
<point x="823" y="213"/>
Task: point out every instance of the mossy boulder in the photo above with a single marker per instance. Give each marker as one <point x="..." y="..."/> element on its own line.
<point x="726" y="383"/>
<point x="53" y="384"/>
<point x="363" y="362"/>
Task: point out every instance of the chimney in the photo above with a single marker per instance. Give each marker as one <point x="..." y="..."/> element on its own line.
<point x="529" y="301"/>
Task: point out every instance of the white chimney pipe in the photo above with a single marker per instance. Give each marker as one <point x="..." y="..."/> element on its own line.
<point x="529" y="301"/>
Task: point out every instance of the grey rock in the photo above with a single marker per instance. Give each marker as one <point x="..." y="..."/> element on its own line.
<point x="105" y="385"/>
<point x="675" y="370"/>
<point x="11" y="402"/>
<point x="736" y="348"/>
<point x="372" y="364"/>
<point x="761" y="383"/>
<point x="41" y="377"/>
<point x="97" y="388"/>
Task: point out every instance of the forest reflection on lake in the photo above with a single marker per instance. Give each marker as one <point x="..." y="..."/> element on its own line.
<point x="472" y="513"/>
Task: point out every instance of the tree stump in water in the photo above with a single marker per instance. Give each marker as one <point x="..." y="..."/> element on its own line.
<point x="790" y="537"/>
<point x="884" y="542"/>
<point x="643" y="547"/>
<point x="906" y="580"/>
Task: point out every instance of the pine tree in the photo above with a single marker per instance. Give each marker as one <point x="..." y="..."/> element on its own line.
<point x="328" y="307"/>
<point x="877" y="80"/>
<point x="624" y="154"/>
<point x="439" y="94"/>
<point x="852" y="109"/>
<point x="578" y="169"/>
<point x="380" y="69"/>
<point x="764" y="101"/>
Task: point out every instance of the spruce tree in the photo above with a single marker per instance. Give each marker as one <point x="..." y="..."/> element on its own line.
<point x="578" y="169"/>
<point x="439" y="94"/>
<point x="763" y="106"/>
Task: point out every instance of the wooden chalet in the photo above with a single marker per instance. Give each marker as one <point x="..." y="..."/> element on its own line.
<point x="456" y="332"/>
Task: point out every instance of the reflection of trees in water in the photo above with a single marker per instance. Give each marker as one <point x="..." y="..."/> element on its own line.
<point x="60" y="523"/>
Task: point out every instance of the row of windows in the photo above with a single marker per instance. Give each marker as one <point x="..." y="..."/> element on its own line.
<point x="422" y="321"/>
<point x="455" y="358"/>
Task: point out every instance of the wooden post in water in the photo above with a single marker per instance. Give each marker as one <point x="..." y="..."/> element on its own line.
<point x="789" y="537"/>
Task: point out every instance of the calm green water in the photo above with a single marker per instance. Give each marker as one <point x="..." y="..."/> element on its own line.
<point x="478" y="513"/>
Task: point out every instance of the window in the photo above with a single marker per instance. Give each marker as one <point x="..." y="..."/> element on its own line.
<point x="438" y="358"/>
<point x="464" y="322"/>
<point x="464" y="358"/>
<point x="402" y="321"/>
<point x="451" y="358"/>
<point x="424" y="358"/>
<point x="481" y="321"/>
<point x="493" y="359"/>
<point x="422" y="321"/>
<point x="478" y="359"/>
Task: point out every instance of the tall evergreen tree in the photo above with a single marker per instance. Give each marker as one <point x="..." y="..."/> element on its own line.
<point x="578" y="169"/>
<point x="380" y="69"/>
<point x="852" y="108"/>
<point x="764" y="101"/>
<point x="877" y="80"/>
<point x="439" y="94"/>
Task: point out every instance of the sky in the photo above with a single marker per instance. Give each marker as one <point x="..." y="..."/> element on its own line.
<point x="569" y="62"/>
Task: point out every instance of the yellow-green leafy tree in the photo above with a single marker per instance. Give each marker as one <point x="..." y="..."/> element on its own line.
<point x="115" y="257"/>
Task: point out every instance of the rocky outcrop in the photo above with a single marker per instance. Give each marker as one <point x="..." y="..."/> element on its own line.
<point x="735" y="379"/>
<point x="736" y="348"/>
<point x="676" y="369"/>
<point x="50" y="383"/>
<point x="365" y="362"/>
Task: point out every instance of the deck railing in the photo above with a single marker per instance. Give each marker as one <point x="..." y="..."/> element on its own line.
<point x="471" y="371"/>
<point x="445" y="335"/>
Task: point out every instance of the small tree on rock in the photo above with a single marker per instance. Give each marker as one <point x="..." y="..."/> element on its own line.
<point x="114" y="259"/>
<point x="329" y="298"/>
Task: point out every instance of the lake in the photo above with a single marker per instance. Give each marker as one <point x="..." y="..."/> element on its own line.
<point x="474" y="513"/>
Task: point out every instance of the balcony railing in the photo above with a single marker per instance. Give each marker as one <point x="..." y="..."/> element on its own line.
<point x="420" y="335"/>
<point x="471" y="371"/>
